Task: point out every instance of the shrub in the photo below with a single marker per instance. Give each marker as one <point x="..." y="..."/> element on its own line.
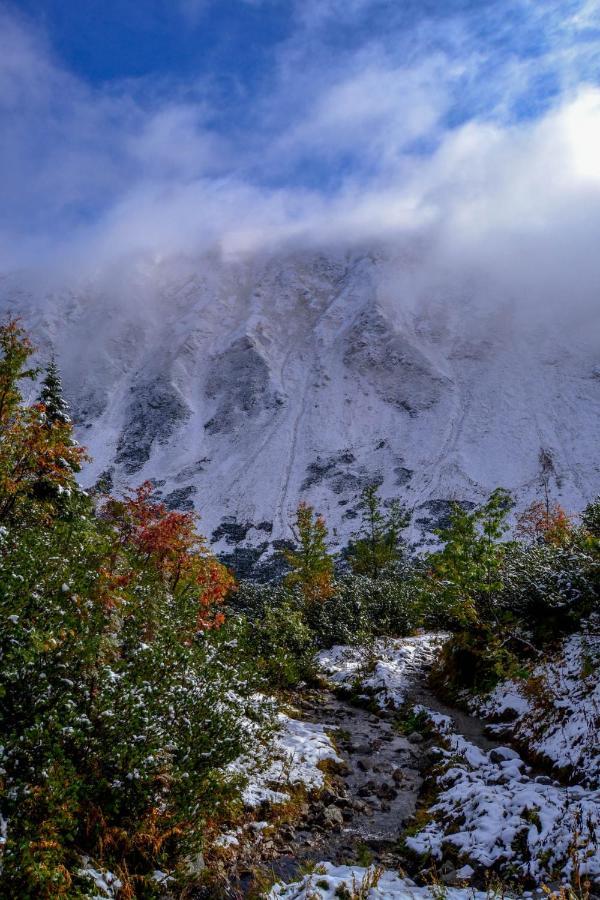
<point x="121" y="700"/>
<point x="117" y="716"/>
<point x="283" y="646"/>
<point x="548" y="579"/>
<point x="363" y="607"/>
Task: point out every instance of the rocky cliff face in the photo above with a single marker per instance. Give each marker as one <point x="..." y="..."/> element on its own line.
<point x="240" y="387"/>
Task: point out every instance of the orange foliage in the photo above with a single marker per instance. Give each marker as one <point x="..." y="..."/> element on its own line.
<point x="541" y="522"/>
<point x="37" y="460"/>
<point x="168" y="540"/>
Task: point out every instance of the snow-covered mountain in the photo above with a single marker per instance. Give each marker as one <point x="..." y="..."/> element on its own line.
<point x="241" y="386"/>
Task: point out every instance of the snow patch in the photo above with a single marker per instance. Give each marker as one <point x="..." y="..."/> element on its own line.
<point x="328" y="882"/>
<point x="493" y="813"/>
<point x="293" y="759"/>
<point x="384" y="670"/>
<point x="556" y="712"/>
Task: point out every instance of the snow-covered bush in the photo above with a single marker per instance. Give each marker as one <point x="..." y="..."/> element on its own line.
<point x="542" y="580"/>
<point x="122" y="702"/>
<point x="118" y="716"/>
<point x="363" y="607"/>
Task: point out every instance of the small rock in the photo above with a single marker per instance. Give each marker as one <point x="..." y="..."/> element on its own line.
<point x="543" y="779"/>
<point x="502" y="754"/>
<point x="415" y="738"/>
<point x="465" y="873"/>
<point x="333" y="817"/>
<point x="448" y="874"/>
<point x="386" y="792"/>
<point x="363" y="749"/>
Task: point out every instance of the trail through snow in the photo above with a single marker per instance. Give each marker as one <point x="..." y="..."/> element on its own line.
<point x="488" y="799"/>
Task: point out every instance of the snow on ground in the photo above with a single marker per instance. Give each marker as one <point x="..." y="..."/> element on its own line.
<point x="106" y="883"/>
<point x="385" y="670"/>
<point x="292" y="759"/>
<point x="556" y="712"/>
<point x="492" y="813"/>
<point x="328" y="882"/>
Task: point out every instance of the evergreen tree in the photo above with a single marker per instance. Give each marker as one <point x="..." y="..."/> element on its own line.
<point x="37" y="462"/>
<point x="55" y="406"/>
<point x="467" y="572"/>
<point x="312" y="566"/>
<point x="590" y="518"/>
<point x="378" y="543"/>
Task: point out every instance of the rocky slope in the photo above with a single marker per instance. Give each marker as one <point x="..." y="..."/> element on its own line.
<point x="240" y="386"/>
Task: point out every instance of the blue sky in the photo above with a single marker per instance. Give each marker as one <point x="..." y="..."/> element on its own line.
<point x="162" y="122"/>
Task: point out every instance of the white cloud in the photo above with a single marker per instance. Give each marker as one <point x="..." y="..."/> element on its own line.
<point x="89" y="176"/>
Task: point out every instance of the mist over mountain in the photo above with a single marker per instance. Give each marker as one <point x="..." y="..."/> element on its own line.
<point x="372" y="265"/>
<point x="242" y="386"/>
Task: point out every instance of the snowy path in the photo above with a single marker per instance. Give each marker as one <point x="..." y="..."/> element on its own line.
<point x="485" y="786"/>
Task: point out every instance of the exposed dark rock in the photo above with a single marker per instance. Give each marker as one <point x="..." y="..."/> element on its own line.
<point x="193" y="469"/>
<point x="265" y="526"/>
<point x="242" y="560"/>
<point x="403" y="475"/>
<point x="438" y="512"/>
<point x="104" y="482"/>
<point x="240" y="382"/>
<point x="334" y="471"/>
<point x="155" y="410"/>
<point x="399" y="372"/>
<point x="87" y="407"/>
<point x="273" y="566"/>
<point x="323" y="469"/>
<point x="281" y="544"/>
<point x="233" y="532"/>
<point x="181" y="498"/>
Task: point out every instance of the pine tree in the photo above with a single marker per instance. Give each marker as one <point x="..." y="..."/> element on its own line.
<point x="55" y="406"/>
<point x="590" y="518"/>
<point x="312" y="566"/>
<point x="37" y="462"/>
<point x="467" y="572"/>
<point x="378" y="543"/>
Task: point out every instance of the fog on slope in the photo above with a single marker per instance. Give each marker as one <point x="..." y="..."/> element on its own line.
<point x="437" y="332"/>
<point x="241" y="386"/>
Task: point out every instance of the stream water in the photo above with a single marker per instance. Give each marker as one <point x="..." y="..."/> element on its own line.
<point x="363" y="816"/>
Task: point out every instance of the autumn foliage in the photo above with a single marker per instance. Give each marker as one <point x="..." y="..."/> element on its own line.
<point x="122" y="703"/>
<point x="37" y="458"/>
<point x="545" y="523"/>
<point x="311" y="565"/>
<point x="168" y="541"/>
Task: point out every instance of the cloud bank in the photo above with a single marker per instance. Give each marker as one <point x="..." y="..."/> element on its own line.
<point x="474" y="132"/>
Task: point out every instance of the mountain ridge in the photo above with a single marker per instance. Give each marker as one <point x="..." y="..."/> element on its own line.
<point x="240" y="387"/>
